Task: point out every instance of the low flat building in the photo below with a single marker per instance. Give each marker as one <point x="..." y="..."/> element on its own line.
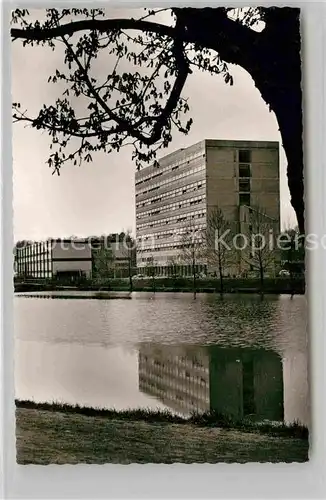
<point x="54" y="258"/>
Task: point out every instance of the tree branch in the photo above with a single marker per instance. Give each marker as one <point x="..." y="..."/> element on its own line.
<point x="227" y="35"/>
<point x="100" y="25"/>
<point x="182" y="73"/>
<point x="33" y="121"/>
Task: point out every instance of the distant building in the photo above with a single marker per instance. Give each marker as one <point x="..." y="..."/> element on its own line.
<point x="74" y="258"/>
<point x="54" y="258"/>
<point x="233" y="382"/>
<point x="179" y="191"/>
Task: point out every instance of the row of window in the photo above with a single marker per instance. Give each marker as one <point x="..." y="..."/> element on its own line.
<point x="185" y="361"/>
<point x="194" y="186"/>
<point x="175" y="361"/>
<point x="149" y="177"/>
<point x="177" y="380"/>
<point x="169" y="246"/>
<point x="170" y="167"/>
<point x="176" y="236"/>
<point x="244" y="186"/>
<point x="164" y="269"/>
<point x="33" y="258"/>
<point x="169" y="181"/>
<point x="44" y="247"/>
<point x="244" y="172"/>
<point x="176" y="218"/>
<point x="186" y="400"/>
<point x="244" y="156"/>
<point x="169" y="234"/>
<point x="39" y="266"/>
<point x="158" y="236"/>
<point x="40" y="260"/>
<point x="172" y="206"/>
<point x="34" y="262"/>
<point x="244" y="199"/>
<point x="194" y="388"/>
<point x="182" y="389"/>
<point x="176" y="245"/>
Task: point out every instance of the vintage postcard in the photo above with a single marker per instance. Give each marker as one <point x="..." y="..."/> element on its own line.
<point x="160" y="311"/>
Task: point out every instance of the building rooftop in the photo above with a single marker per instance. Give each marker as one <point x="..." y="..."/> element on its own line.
<point x="200" y="146"/>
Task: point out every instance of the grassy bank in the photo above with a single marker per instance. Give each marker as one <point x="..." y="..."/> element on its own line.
<point x="211" y="419"/>
<point x="62" y="434"/>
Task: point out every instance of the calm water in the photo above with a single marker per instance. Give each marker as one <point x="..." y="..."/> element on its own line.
<point x="240" y="356"/>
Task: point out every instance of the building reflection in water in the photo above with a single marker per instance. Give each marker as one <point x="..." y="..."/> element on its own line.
<point x="234" y="382"/>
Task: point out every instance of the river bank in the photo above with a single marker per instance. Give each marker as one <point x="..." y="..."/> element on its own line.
<point x="62" y="434"/>
<point x="271" y="286"/>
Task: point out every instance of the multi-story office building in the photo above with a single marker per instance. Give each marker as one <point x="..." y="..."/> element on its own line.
<point x="232" y="382"/>
<point x="178" y="192"/>
<point x="61" y="258"/>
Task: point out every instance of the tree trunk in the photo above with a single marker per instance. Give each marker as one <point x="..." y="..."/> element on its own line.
<point x="174" y="277"/>
<point x="276" y="71"/>
<point x="194" y="274"/>
<point x="221" y="284"/>
<point x="130" y="275"/>
<point x="286" y="104"/>
<point x="290" y="261"/>
<point x="221" y="277"/>
<point x="261" y="275"/>
<point x="272" y="58"/>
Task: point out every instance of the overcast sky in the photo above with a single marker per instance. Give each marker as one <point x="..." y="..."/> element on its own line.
<point x="99" y="197"/>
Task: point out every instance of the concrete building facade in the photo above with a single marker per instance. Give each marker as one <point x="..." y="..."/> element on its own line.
<point x="178" y="193"/>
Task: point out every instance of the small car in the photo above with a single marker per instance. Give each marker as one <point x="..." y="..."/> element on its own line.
<point x="284" y="272"/>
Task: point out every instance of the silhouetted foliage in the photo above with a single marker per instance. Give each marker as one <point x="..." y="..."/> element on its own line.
<point x="145" y="108"/>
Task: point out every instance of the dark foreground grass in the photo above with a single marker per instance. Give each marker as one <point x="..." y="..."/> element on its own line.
<point x="60" y="433"/>
<point x="211" y="419"/>
<point x="66" y="437"/>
